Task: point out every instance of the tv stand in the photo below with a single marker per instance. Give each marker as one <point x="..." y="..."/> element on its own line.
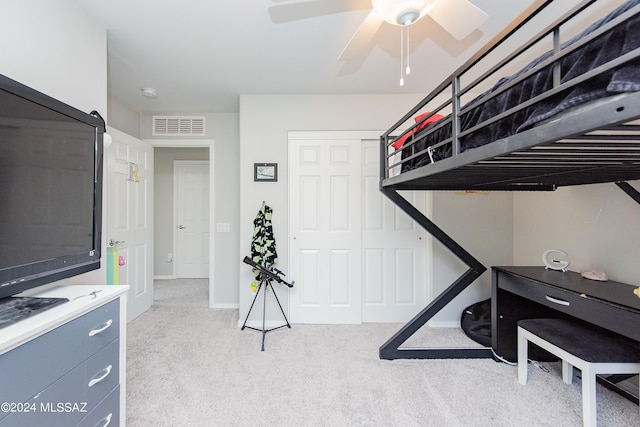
<point x="16" y="308"/>
<point x="66" y="365"/>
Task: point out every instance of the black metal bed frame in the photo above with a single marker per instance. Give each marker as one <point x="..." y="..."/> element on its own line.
<point x="391" y="348"/>
<point x="596" y="143"/>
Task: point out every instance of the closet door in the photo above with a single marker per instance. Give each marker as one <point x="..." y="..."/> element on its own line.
<point x="394" y="287"/>
<point x="325" y="231"/>
<point x="354" y="255"/>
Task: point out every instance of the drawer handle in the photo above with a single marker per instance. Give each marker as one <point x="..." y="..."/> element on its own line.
<point x="106" y="325"/>
<point x="107" y="420"/>
<point x="557" y="301"/>
<point x="104" y="375"/>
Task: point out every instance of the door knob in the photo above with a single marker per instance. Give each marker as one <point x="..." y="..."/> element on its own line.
<point x="115" y="242"/>
<point x="181" y="227"/>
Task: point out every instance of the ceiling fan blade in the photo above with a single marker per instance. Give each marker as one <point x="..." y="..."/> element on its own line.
<point x="459" y="17"/>
<point x="281" y="13"/>
<point x="362" y="37"/>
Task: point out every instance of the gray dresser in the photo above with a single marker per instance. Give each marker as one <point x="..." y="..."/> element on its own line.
<point x="70" y="372"/>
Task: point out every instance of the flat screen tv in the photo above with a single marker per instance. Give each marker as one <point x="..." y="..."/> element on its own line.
<point x="51" y="160"/>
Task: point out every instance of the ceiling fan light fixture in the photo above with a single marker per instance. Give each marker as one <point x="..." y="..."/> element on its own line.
<point x="408" y="17"/>
<point x="403" y="12"/>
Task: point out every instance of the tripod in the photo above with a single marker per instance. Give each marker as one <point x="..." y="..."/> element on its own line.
<point x="266" y="277"/>
<point x="265" y="283"/>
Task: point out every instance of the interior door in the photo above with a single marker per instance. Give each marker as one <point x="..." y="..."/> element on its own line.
<point x="325" y="231"/>
<point x="129" y="213"/>
<point x="191" y="205"/>
<point x="393" y="249"/>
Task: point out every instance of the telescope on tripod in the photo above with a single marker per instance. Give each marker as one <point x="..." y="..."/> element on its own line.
<point x="273" y="275"/>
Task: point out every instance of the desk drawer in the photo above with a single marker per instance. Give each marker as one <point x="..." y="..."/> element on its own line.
<point x="581" y="306"/>
<point x="551" y="296"/>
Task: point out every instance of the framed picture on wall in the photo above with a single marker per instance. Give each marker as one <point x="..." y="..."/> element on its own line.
<point x="265" y="172"/>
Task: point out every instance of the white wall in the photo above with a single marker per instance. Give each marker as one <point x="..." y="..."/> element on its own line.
<point x="597" y="225"/>
<point x="55" y="48"/>
<point x="264" y="123"/>
<point x="123" y="118"/>
<point x="483" y="225"/>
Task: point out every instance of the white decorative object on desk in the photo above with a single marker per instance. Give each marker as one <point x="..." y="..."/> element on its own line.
<point x="552" y="263"/>
<point x="595" y="275"/>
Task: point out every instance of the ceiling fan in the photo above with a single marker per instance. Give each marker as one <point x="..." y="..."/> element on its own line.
<point x="458" y="17"/>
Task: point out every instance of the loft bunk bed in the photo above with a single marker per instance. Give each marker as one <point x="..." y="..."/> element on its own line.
<point x="570" y="116"/>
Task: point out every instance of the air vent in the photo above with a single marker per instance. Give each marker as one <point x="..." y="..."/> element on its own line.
<point x="178" y="126"/>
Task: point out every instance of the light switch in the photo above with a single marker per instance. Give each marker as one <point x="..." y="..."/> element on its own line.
<point x="223" y="227"/>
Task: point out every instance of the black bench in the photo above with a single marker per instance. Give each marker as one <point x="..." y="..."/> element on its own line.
<point x="590" y="349"/>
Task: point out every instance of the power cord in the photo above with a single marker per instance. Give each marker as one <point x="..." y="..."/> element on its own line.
<point x="502" y="359"/>
<point x="535" y="363"/>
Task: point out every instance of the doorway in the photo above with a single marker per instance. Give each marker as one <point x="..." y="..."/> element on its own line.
<point x="166" y="153"/>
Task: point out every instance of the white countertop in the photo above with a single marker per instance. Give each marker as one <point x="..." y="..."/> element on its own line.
<point x="82" y="299"/>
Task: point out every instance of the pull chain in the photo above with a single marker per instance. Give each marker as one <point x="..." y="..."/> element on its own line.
<point x="408" y="69"/>
<point x="404" y="71"/>
<point x="401" y="55"/>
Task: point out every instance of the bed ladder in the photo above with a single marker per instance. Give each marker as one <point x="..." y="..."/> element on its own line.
<point x="391" y="349"/>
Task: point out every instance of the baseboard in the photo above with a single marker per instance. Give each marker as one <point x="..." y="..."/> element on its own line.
<point x="444" y="324"/>
<point x="164" y="277"/>
<point x="226" y="306"/>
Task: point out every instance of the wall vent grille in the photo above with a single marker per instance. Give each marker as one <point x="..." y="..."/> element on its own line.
<point x="178" y="126"/>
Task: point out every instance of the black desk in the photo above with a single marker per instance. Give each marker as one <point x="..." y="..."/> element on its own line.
<point x="530" y="292"/>
<point x="535" y="292"/>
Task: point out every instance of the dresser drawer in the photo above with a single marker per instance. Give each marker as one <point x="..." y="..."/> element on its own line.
<point x="37" y="364"/>
<point x="61" y="404"/>
<point x="107" y="413"/>
<point x="103" y="326"/>
<point x="102" y="374"/>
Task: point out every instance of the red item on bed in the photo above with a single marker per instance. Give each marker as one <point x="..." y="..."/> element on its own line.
<point x="400" y="141"/>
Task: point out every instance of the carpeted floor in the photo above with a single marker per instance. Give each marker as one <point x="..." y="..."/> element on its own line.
<point x="188" y="365"/>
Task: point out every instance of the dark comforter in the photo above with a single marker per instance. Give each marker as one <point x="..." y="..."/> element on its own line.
<point x="620" y="40"/>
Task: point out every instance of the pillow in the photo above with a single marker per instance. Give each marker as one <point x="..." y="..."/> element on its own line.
<point x="397" y="144"/>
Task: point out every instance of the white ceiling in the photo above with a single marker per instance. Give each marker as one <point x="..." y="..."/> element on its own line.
<point x="201" y="54"/>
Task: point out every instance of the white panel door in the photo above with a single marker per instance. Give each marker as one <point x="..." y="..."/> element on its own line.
<point x="191" y="204"/>
<point x="343" y="229"/>
<point x="393" y="249"/>
<point x="325" y="231"/>
<point x="129" y="214"/>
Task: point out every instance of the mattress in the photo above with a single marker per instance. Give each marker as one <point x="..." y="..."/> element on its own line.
<point x="515" y="90"/>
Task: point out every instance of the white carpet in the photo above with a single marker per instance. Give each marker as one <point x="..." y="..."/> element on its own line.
<point x="188" y="365"/>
